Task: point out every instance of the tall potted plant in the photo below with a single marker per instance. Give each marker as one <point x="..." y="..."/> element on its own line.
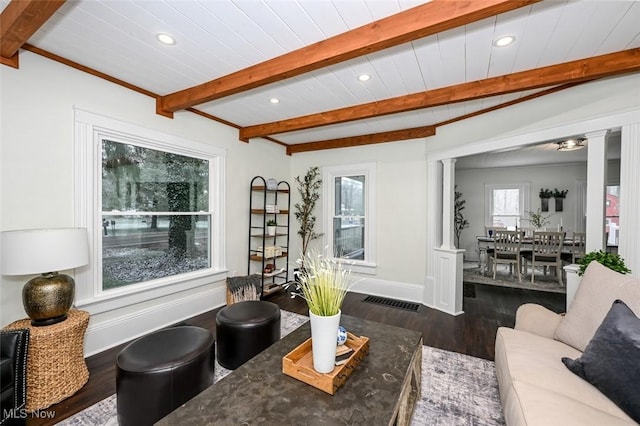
<point x="324" y="286"/>
<point x="308" y="187"/>
<point x="459" y="222"/>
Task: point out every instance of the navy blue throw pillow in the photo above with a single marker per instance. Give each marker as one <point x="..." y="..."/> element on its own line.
<point x="611" y="360"/>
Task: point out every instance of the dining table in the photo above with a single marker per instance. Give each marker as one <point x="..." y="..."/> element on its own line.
<point x="526" y="245"/>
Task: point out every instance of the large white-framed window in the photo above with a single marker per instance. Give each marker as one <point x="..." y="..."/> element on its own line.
<point x="152" y="204"/>
<point x="506" y="204"/>
<point x="349" y="214"/>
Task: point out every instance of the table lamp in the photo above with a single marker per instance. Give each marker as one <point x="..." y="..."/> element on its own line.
<point x="48" y="297"/>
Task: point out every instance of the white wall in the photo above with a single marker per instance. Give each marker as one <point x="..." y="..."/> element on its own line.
<point x="400" y="212"/>
<point x="36" y="174"/>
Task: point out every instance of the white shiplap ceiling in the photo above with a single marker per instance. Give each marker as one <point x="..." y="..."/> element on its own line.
<point x="219" y="37"/>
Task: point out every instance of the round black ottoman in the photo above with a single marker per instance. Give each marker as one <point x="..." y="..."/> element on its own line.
<point x="245" y="329"/>
<point x="157" y="373"/>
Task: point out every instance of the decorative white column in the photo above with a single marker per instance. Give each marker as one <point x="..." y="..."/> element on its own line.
<point x="434" y="226"/>
<point x="596" y="188"/>
<point x="629" y="243"/>
<point x="448" y="190"/>
<point x="448" y="260"/>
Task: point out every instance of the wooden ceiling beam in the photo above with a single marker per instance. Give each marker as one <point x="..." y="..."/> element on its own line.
<point x="391" y="136"/>
<point x="624" y="62"/>
<point x="19" y="21"/>
<point x="419" y="132"/>
<point x="403" y="27"/>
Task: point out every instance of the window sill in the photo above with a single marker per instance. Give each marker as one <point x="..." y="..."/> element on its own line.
<point x="359" y="267"/>
<point x="123" y="297"/>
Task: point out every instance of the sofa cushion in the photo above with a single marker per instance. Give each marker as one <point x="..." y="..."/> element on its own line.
<point x="599" y="287"/>
<point x="529" y="405"/>
<point x="523" y="357"/>
<point x="610" y="360"/>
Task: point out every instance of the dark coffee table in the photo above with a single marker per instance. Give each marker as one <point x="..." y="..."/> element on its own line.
<point x="381" y="391"/>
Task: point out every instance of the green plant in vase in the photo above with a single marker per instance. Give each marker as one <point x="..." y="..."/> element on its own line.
<point x="559" y="197"/>
<point x="271" y="227"/>
<point x="538" y="220"/>
<point x="544" y="195"/>
<point x="323" y="286"/>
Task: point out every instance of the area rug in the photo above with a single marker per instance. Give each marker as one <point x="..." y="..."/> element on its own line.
<point x="456" y="389"/>
<point x="542" y="282"/>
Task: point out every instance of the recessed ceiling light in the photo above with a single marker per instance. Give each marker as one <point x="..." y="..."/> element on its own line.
<point x="274" y="100"/>
<point x="166" y="39"/>
<point x="504" y="41"/>
<point x="364" y="77"/>
<point x="571" y="144"/>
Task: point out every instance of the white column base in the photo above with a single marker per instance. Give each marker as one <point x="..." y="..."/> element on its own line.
<point x="448" y="280"/>
<point x="573" y="282"/>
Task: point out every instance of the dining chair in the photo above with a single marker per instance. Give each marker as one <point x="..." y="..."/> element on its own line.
<point x="489" y="231"/>
<point x="546" y="251"/>
<point x="506" y="250"/>
<point x="574" y="248"/>
<point x="527" y="232"/>
<point x="578" y="250"/>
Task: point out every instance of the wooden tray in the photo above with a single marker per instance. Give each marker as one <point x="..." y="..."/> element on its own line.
<point x="299" y="364"/>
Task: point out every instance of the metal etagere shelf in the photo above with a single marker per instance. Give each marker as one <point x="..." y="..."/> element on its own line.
<point x="269" y="200"/>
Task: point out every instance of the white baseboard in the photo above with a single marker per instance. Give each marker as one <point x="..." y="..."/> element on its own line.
<point x="112" y="332"/>
<point x="393" y="289"/>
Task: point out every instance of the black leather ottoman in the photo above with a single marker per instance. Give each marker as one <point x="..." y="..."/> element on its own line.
<point x="245" y="329"/>
<point x="158" y="372"/>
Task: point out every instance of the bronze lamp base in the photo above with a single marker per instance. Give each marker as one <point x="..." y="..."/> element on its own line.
<point x="48" y="298"/>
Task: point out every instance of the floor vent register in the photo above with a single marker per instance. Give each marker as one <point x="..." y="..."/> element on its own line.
<point x="392" y="303"/>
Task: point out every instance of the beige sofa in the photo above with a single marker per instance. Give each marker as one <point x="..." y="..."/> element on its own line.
<point x="535" y="386"/>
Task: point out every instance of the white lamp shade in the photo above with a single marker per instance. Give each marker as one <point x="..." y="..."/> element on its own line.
<point x="38" y="251"/>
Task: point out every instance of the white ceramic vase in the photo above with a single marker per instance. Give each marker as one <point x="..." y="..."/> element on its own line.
<point x="324" y="340"/>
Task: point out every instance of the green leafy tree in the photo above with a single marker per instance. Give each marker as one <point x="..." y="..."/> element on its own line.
<point x="459" y="222"/>
<point x="308" y="187"/>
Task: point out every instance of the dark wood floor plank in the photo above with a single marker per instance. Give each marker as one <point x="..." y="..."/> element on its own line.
<point x="473" y="333"/>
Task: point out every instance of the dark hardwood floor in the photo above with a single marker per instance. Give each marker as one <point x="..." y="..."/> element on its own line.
<point x="473" y="333"/>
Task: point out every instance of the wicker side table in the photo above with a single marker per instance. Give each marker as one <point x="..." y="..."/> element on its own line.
<point x="55" y="364"/>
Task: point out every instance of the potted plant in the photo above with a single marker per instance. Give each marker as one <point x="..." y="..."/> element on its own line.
<point x="611" y="260"/>
<point x="544" y="195"/>
<point x="559" y="196"/>
<point x="308" y="187"/>
<point x="538" y="220"/>
<point x="271" y="227"/>
<point x="459" y="222"/>
<point x="323" y="286"/>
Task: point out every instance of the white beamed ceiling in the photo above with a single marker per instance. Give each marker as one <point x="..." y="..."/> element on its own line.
<point x="218" y="37"/>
